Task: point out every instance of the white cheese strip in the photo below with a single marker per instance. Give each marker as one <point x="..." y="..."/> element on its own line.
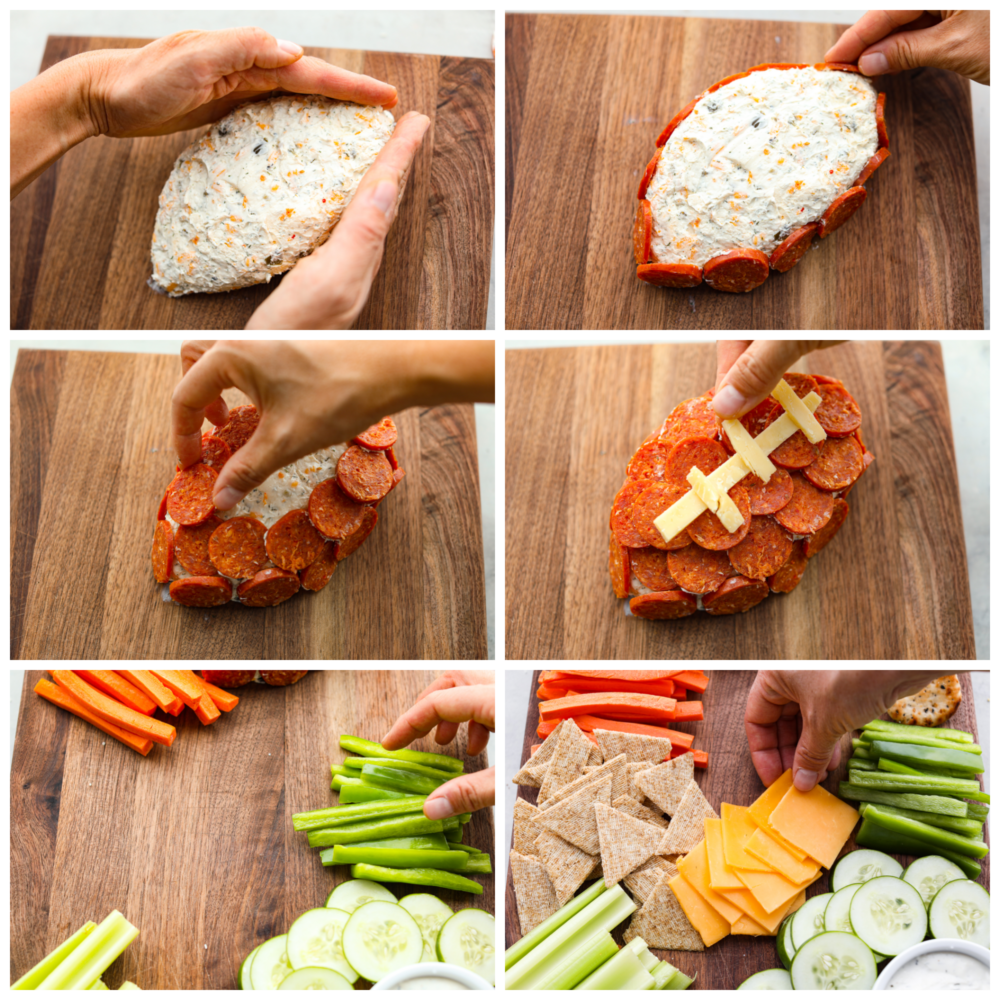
<point x="748" y="449"/>
<point x="799" y="412"/>
<point x="706" y="492"/>
<point x="729" y="514"/>
<point x="680" y="514"/>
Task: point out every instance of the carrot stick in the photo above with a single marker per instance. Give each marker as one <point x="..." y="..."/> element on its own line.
<point x="149" y="685"/>
<point x="225" y="701"/>
<point x="117" y="687"/>
<point x="588" y="723"/>
<point x="545" y="692"/>
<point x="55" y="694"/>
<point x="694" y="679"/>
<point x="618" y="675"/>
<point x="700" y="757"/>
<point x="588" y="684"/>
<point x="602" y="703"/>
<point x="689" y="711"/>
<point x="188" y="689"/>
<point x="535" y="748"/>
<point x="206" y="710"/>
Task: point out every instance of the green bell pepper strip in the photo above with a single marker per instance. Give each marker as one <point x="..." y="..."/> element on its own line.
<point x="861" y="765"/>
<point x="399" y="781"/>
<point x="895" y="730"/>
<point x="479" y="864"/>
<point x="464" y="847"/>
<point x="358" y="791"/>
<point x="957" y="824"/>
<point x="407" y="825"/>
<point x="417" y="876"/>
<point x="932" y="835"/>
<point x="455" y="836"/>
<point x="348" y="854"/>
<point x="880" y="839"/>
<point x="31" y="979"/>
<point x="941" y="805"/>
<point x="892" y="766"/>
<point x="978" y="810"/>
<point x="924" y="784"/>
<point x="424" y="842"/>
<point x="320" y="819"/>
<point x="355" y="764"/>
<point x="367" y="748"/>
<point x="339" y="769"/>
<point x="923" y="756"/>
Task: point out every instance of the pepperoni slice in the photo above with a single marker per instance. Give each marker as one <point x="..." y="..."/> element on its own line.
<point x="756" y="420"/>
<point x="317" y="576"/>
<point x="651" y="568"/>
<point x="192" y="547"/>
<point x="677" y="119"/>
<point x="243" y="421"/>
<point x="378" y="437"/>
<point x="694" y="452"/>
<point x="822" y="538"/>
<point x="353" y="541"/>
<point x="647" y="175"/>
<point x="364" y="475"/>
<point x="201" y="591"/>
<point x="881" y="130"/>
<point x="236" y="547"/>
<point x="735" y="595"/>
<point x="808" y="510"/>
<point x="795" y="452"/>
<point x="866" y="461"/>
<point x="390" y="454"/>
<point x="292" y="542"/>
<point x="618" y="567"/>
<point x="764" y="550"/>
<point x="665" y="605"/>
<point x="214" y="451"/>
<point x="766" y="498"/>
<point x="871" y="166"/>
<point x="801" y="384"/>
<point x="332" y="511"/>
<point x="642" y="232"/>
<point x="789" y="576"/>
<point x="841" y="210"/>
<point x="649" y="505"/>
<point x="839" y="463"/>
<point x="189" y="496"/>
<point x="710" y="533"/>
<point x="162" y="512"/>
<point x="740" y="270"/>
<point x="692" y="418"/>
<point x="828" y="380"/>
<point x="792" y="249"/>
<point x="268" y="587"/>
<point x="163" y="551"/>
<point x="698" y="570"/>
<point x="838" y="414"/>
<point x="650" y="461"/>
<point x="670" y="275"/>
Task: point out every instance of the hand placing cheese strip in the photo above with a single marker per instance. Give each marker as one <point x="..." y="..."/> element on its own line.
<point x="796" y="409"/>
<point x="748" y="449"/>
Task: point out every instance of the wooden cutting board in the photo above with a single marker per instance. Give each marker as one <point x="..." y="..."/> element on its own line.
<point x="893" y="584"/>
<point x="194" y="844"/>
<point x="730" y="777"/>
<point x="587" y="97"/>
<point x="93" y="462"/>
<point x="80" y="235"/>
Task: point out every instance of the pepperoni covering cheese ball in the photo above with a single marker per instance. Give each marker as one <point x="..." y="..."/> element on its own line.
<point x="753" y="170"/>
<point x="785" y="521"/>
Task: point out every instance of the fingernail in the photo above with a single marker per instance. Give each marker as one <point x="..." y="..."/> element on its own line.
<point x="227" y="498"/>
<point x="728" y="401"/>
<point x="874" y="65"/>
<point x="439" y="808"/>
<point x="806" y="781"/>
<point x="289" y="47"/>
<point x="384" y="196"/>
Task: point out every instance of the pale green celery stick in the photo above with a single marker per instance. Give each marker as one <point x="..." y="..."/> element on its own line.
<point x="623" y="971"/>
<point x="678" y="981"/>
<point x="129" y="986"/>
<point x="88" y="961"/>
<point x="662" y="973"/>
<point x="30" y="980"/>
<point x="99" y="985"/>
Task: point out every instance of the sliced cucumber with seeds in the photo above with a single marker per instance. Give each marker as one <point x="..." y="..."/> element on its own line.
<point x="317" y="978"/>
<point x="380" y="938"/>
<point x="888" y="915"/>
<point x="430" y="914"/>
<point x="961" y="909"/>
<point x="786" y="950"/>
<point x="270" y="966"/>
<point x="861" y="866"/>
<point x="315" y="940"/>
<point x="769" y="979"/>
<point x="243" y="978"/>
<point x="355" y="892"/>
<point x="837" y="916"/>
<point x="834" y="960"/>
<point x="468" y="940"/>
<point x="928" y="875"/>
<point x="807" y="921"/>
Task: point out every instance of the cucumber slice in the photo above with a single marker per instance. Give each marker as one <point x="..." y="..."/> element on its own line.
<point x="838" y="911"/>
<point x="928" y="875"/>
<point x="888" y="915"/>
<point x="860" y="866"/>
<point x="786" y="950"/>
<point x="355" y="892"/>
<point x="243" y="978"/>
<point x="317" y="978"/>
<point x="961" y="909"/>
<point x="315" y="941"/>
<point x="807" y="920"/>
<point x="468" y="940"/>
<point x="380" y="938"/>
<point x="270" y="966"/>
<point x="430" y="914"/>
<point x="833" y="960"/>
<point x="769" y="979"/>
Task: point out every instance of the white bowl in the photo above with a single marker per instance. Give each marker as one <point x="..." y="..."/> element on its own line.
<point x="969" y="948"/>
<point x="438" y="969"/>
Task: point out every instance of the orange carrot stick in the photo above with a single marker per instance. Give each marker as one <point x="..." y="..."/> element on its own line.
<point x="188" y="689"/>
<point x="206" y="710"/>
<point x="55" y="694"/>
<point x="601" y="703"/>
<point x="225" y="701"/>
<point x="149" y="685"/>
<point x="117" y="687"/>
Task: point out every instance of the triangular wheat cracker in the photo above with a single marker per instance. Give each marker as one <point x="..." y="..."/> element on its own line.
<point x="687" y="825"/>
<point x="645" y="749"/>
<point x="533" y="768"/>
<point x="626" y="843"/>
<point x="574" y="820"/>
<point x="666" y="783"/>
<point x="536" y="899"/>
<point x="567" y="761"/>
<point x="642" y="881"/>
<point x="626" y="804"/>
<point x="661" y="922"/>
<point x="525" y="830"/>
<point x="566" y="864"/>
<point x="614" y="769"/>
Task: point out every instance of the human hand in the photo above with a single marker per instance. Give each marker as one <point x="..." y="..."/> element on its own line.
<point x="328" y="289"/>
<point x="795" y="718"/>
<point x="888" y="41"/>
<point x="747" y="370"/>
<point x="456" y="696"/>
<point x="193" y="78"/>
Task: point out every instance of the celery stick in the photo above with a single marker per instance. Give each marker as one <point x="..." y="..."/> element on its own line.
<point x="129" y="986"/>
<point x="932" y="835"/>
<point x="642" y="952"/>
<point x="406" y="825"/>
<point x="321" y="819"/>
<point x="358" y="791"/>
<point x="99" y="985"/>
<point x="679" y="981"/>
<point x="88" y="961"/>
<point x="31" y="979"/>
<point x="366" y="748"/>
<point x="662" y="973"/>
<point x="942" y="805"/>
<point x="356" y="764"/>
<point x="417" y="876"/>
<point x="623" y="971"/>
<point x="958" y="824"/>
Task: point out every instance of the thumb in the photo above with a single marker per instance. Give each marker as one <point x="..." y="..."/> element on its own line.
<point x="755" y="373"/>
<point x="933" y="46"/>
<point x="250" y="466"/>
<point x="241" y="48"/>
<point x="813" y="756"/>
<point x="461" y="795"/>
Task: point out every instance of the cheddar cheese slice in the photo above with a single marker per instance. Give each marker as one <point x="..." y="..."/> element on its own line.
<point x="704" y="919"/>
<point x="721" y="876"/>
<point x="693" y="868"/>
<point x="816" y="822"/>
<point x="737" y="828"/>
<point x="765" y="848"/>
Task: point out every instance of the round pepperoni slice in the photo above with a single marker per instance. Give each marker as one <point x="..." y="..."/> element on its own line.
<point x="162" y="512"/>
<point x="236" y="547"/>
<point x="791" y="250"/>
<point x="838" y="464"/>
<point x="794" y="453"/>
<point x="801" y="384"/>
<point x="692" y="418"/>
<point x="735" y="595"/>
<point x="763" y="551"/>
<point x="710" y="533"/>
<point x="317" y="576"/>
<point x="841" y="210"/>
<point x="642" y="231"/>
<point x="698" y="570"/>
<point x="214" y="451"/>
<point x="201" y="591"/>
<point x="788" y="577"/>
<point x="756" y="420"/>
<point x="353" y="541"/>
<point x="766" y="498"/>
<point x="652" y="502"/>
<point x="650" y="461"/>
<point x="192" y="547"/>
<point x="660" y="606"/>
<point x="189" y="496"/>
<point x="333" y="512"/>
<point x="390" y="454"/>
<point x="364" y="475"/>
<point x="670" y="275"/>
<point x="163" y="551"/>
<point x="823" y="537"/>
<point x="648" y="173"/>
<point x="651" y="568"/>
<point x="243" y="421"/>
<point x="740" y="270"/>
<point x="695" y="452"/>
<point x="292" y="542"/>
<point x="378" y="437"/>
<point x="808" y="510"/>
<point x="838" y="414"/>
<point x="618" y="567"/>
<point x="866" y="461"/>
<point x="828" y="380"/>
<point x="621" y="513"/>
<point x="268" y="587"/>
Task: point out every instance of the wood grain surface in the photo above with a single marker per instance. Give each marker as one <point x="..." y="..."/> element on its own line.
<point x="91" y="461"/>
<point x="587" y="96"/>
<point x="893" y="584"/>
<point x="194" y="844"/>
<point x="730" y="777"/>
<point x="80" y="235"/>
